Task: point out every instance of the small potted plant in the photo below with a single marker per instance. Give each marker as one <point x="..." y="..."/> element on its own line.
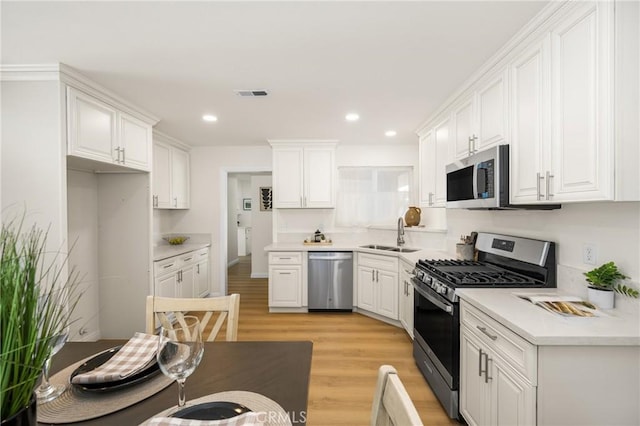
<point x="604" y="282"/>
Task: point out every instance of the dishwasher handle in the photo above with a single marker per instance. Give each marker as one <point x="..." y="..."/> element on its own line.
<point x="330" y="256"/>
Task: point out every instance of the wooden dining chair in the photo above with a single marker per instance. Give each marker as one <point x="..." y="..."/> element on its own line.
<point x="391" y="402"/>
<point x="169" y="309"/>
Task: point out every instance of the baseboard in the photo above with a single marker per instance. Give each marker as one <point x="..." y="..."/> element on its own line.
<point x="378" y="317"/>
<point x="233" y="262"/>
<point x="260" y="275"/>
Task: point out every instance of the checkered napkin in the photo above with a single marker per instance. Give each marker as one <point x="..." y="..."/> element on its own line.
<point x="129" y="360"/>
<point x="246" y="419"/>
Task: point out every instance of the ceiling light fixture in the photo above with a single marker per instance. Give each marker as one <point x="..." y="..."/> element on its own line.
<point x="209" y="117"/>
<point x="390" y="133"/>
<point x="352" y="116"/>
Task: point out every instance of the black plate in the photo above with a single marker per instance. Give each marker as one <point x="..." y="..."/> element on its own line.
<point x="217" y="410"/>
<point x="151" y="370"/>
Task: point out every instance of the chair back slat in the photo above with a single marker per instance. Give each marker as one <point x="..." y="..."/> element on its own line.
<point x="391" y="402"/>
<point x="167" y="309"/>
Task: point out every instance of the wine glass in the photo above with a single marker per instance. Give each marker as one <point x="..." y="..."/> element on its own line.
<point x="46" y="391"/>
<point x="180" y="350"/>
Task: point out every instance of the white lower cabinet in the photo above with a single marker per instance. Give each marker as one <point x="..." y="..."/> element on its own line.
<point x="406" y="297"/>
<point x="185" y="275"/>
<point x="378" y="284"/>
<point x="285" y="279"/>
<point x="506" y="380"/>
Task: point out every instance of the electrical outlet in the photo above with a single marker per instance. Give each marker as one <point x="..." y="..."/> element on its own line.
<point x="589" y="254"/>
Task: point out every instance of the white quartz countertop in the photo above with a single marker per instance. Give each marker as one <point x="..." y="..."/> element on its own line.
<point x="409" y="257"/>
<point x="164" y="251"/>
<point x="542" y="327"/>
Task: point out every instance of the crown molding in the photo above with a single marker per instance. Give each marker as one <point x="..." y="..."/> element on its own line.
<point x="163" y="137"/>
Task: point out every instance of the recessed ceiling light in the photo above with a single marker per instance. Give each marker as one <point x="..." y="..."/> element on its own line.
<point x="390" y="133"/>
<point x="209" y="117"/>
<point x="352" y="116"/>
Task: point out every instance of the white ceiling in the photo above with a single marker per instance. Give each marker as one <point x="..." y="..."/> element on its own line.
<point x="392" y="62"/>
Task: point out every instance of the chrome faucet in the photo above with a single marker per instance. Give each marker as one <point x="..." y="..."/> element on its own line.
<point x="400" y="232"/>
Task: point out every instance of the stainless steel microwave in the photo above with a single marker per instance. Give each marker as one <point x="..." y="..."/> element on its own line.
<point x="481" y="181"/>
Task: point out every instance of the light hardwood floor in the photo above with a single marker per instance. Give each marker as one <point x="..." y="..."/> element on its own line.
<point x="348" y="348"/>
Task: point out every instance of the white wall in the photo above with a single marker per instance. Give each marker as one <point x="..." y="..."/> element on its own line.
<point x="262" y="229"/>
<point x="208" y="212"/>
<point x="34" y="157"/>
<point x="82" y="206"/>
<point x="613" y="228"/>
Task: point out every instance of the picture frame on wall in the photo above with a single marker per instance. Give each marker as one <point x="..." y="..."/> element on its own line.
<point x="246" y="204"/>
<point x="266" y="198"/>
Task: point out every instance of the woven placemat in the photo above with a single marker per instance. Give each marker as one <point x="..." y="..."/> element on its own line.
<point x="76" y="405"/>
<point x="274" y="414"/>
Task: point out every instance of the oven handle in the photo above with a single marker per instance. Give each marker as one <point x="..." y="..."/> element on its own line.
<point x="444" y="306"/>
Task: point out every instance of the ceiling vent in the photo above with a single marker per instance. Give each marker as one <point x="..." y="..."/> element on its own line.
<point x="251" y="93"/>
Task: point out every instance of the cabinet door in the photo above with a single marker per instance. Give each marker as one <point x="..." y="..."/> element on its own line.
<point x="442" y="139"/>
<point x="513" y="399"/>
<point x="201" y="285"/>
<point x="427" y="169"/>
<point x="161" y="175"/>
<point x="179" y="178"/>
<point x="581" y="158"/>
<point x="387" y="293"/>
<point x="287" y="177"/>
<point x="366" y="289"/>
<point x="493" y="113"/>
<point x="474" y="392"/>
<point x="406" y="298"/>
<point x="135" y="142"/>
<point x="529" y="76"/>
<point x="186" y="282"/>
<point x="463" y="119"/>
<point x="285" y="286"/>
<point x="91" y="127"/>
<point x="319" y="173"/>
<point x="165" y="286"/>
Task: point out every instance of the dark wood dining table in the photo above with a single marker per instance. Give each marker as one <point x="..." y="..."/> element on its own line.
<point x="278" y="370"/>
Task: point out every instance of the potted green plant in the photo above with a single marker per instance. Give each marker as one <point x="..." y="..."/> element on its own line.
<point x="37" y="300"/>
<point x="604" y="282"/>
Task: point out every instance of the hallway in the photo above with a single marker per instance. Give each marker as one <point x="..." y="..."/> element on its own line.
<point x="348" y="348"/>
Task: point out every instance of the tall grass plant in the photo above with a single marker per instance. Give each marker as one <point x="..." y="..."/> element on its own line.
<point x="37" y="299"/>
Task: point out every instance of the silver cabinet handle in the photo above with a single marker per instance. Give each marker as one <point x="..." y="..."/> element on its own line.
<point x="548" y="184"/>
<point x="469" y="149"/>
<point x="373" y="275"/>
<point x="486" y="368"/>
<point x="377" y="276"/>
<point x="198" y="268"/>
<point x="124" y="159"/>
<point x="186" y="260"/>
<point x="538" y="194"/>
<point x="305" y="201"/>
<point x="301" y="202"/>
<point x="168" y="266"/>
<point x="431" y="198"/>
<point x="117" y="150"/>
<point x="484" y="330"/>
<point x="284" y="258"/>
<point x="175" y="201"/>
<point x="284" y="273"/>
<point x="480" y="363"/>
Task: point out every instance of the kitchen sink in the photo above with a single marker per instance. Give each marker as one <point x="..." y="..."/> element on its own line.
<point x="390" y="248"/>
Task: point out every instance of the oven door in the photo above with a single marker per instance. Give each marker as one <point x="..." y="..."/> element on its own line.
<point x="437" y="330"/>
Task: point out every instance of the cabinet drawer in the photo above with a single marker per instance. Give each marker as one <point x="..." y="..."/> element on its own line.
<point x="188" y="258"/>
<point x="387" y="263"/>
<point x="516" y="351"/>
<point x="201" y="254"/>
<point x="285" y="258"/>
<point x="166" y="266"/>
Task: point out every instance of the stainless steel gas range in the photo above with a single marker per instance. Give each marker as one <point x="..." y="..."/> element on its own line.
<point x="502" y="261"/>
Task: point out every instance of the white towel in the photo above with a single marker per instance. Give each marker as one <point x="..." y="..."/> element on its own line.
<point x="246" y="419"/>
<point x="130" y="359"/>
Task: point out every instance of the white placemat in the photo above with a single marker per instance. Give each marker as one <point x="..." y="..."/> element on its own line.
<point x="274" y="413"/>
<point x="76" y="405"/>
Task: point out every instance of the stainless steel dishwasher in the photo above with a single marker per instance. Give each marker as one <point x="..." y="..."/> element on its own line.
<point x="330" y="281"/>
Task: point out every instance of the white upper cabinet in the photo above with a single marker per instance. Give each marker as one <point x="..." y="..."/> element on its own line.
<point x="568" y="155"/>
<point x="101" y="132"/>
<point x="303" y="174"/>
<point x="481" y="119"/>
<point x="434" y="156"/>
<point x="171" y="173"/>
<point x="581" y="165"/>
<point x="529" y="121"/>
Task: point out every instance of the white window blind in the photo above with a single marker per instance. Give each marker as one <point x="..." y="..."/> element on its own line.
<point x="372" y="195"/>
